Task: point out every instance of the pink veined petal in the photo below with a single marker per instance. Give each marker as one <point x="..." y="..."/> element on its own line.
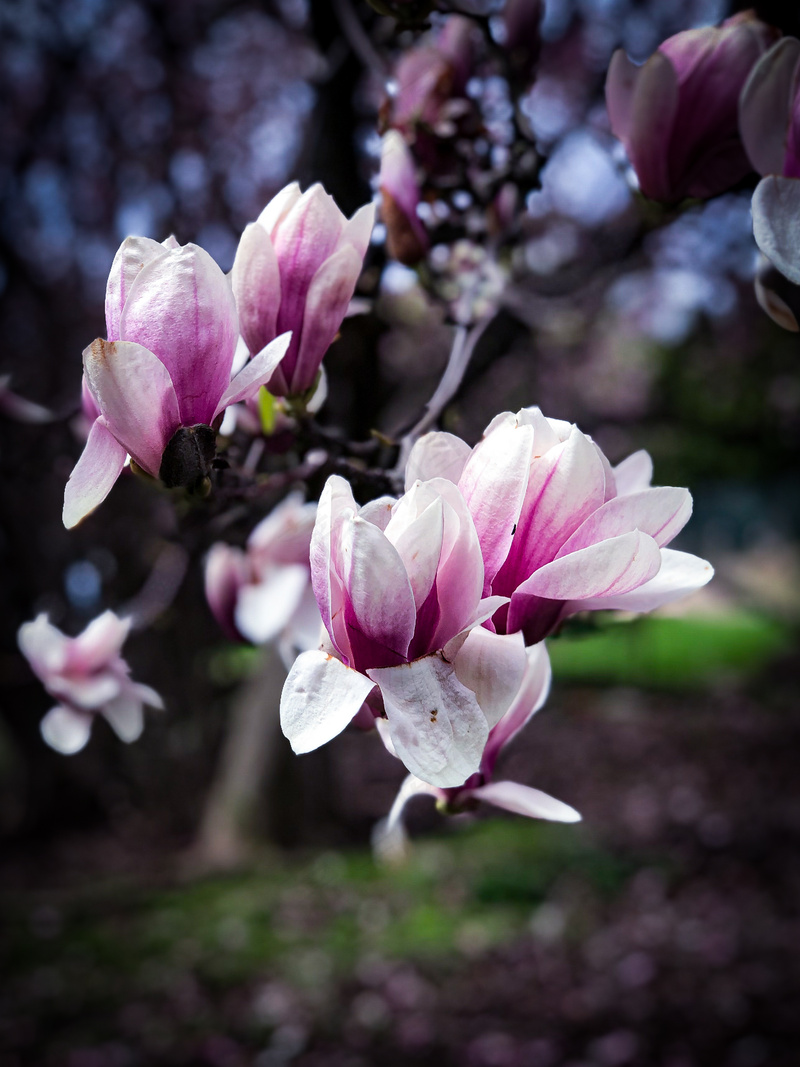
<point x="125" y="716"/>
<point x="620" y="89"/>
<point x="493" y="485"/>
<point x="776" y="223"/>
<point x="328" y="295"/>
<point x="94" y="474"/>
<point x="493" y="667"/>
<point x="460" y="576"/>
<point x="181" y="308"/>
<point x="680" y="574"/>
<point x="320" y="697"/>
<point x="379" y="511"/>
<point x="765" y="105"/>
<point x="65" y="730"/>
<point x="524" y="800"/>
<point x="634" y="473"/>
<point x="284" y="535"/>
<point x="256" y="282"/>
<point x="437" y="726"/>
<point x="264" y="609"/>
<point x="358" y="230"/>
<point x="530" y="697"/>
<point x="484" y="610"/>
<point x="336" y="505"/>
<point x="132" y="255"/>
<point x="254" y="374"/>
<point x="279" y="207"/>
<point x="44" y="646"/>
<point x="652" y="119"/>
<point x="612" y="567"/>
<point x="99" y="644"/>
<point x="419" y="545"/>
<point x="380" y="611"/>
<point x="135" y="394"/>
<point x="662" y="513"/>
<point x="437" y="455"/>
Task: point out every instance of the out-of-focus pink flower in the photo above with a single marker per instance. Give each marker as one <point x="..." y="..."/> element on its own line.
<point x="87" y="676"/>
<point x="406" y="237"/>
<point x="264" y="593"/>
<point x="16" y="407"/>
<point x="512" y="796"/>
<point x="398" y="584"/>
<point x="769" y="111"/>
<point x="677" y="114"/>
<point x="560" y="530"/>
<point x="296" y="269"/>
<point x="162" y="380"/>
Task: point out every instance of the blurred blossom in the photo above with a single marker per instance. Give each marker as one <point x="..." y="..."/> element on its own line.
<point x="398" y="584"/>
<point x="87" y="676"/>
<point x="583" y="183"/>
<point x="296" y="269"/>
<point x="162" y="379"/>
<point x="679" y="149"/>
<point x="769" y="111"/>
<point x="264" y="593"/>
<point x="665" y="303"/>
<point x="469" y="279"/>
<point x="16" y="407"/>
<point x="512" y="796"/>
<point x="561" y="531"/>
<point x="407" y="238"/>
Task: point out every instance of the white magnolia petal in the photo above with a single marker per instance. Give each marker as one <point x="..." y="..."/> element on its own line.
<point x="320" y="697"/>
<point x="680" y="574"/>
<point x="65" y="730"/>
<point x="492" y="666"/>
<point x="438" y="728"/>
<point x="776" y="223"/>
<point x="94" y="475"/>
<point x="525" y="800"/>
<point x="634" y="473"/>
<point x="437" y="455"/>
<point x="265" y="608"/>
<point x="125" y="717"/>
<point x="255" y="373"/>
<point x="411" y="787"/>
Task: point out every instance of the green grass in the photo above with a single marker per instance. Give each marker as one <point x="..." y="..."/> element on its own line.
<point x="666" y="653"/>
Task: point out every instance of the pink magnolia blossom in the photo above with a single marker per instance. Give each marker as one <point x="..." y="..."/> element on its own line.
<point x="430" y="78"/>
<point x="560" y="530"/>
<point x="677" y="114"/>
<point x="87" y="676"/>
<point x="162" y="379"/>
<point x="296" y="269"/>
<point x="512" y="796"/>
<point x="406" y="236"/>
<point x="264" y="593"/>
<point x="398" y="584"/>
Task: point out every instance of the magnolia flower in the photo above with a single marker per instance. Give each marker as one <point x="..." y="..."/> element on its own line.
<point x="512" y="796"/>
<point x="769" y="111"/>
<point x="429" y="79"/>
<point x="398" y="584"/>
<point x="88" y="677"/>
<point x="162" y="380"/>
<point x="296" y="269"/>
<point x="406" y="237"/>
<point x="677" y="115"/>
<point x="264" y="593"/>
<point x="560" y="530"/>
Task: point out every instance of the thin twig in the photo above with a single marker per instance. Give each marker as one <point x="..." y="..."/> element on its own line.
<point x="359" y="40"/>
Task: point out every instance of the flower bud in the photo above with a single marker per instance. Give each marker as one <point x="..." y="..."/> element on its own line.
<point x="406" y="236"/>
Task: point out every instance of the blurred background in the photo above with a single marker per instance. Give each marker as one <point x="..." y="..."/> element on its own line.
<point x="663" y="929"/>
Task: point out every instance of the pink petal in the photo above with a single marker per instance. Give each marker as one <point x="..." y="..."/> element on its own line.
<point x="621" y="82"/>
<point x="99" y="644"/>
<point x="653" y="112"/>
<point x="680" y="575"/>
<point x="226" y="571"/>
<point x="379" y="511"/>
<point x="662" y="513"/>
<point x="44" y="646"/>
<point x="418" y="542"/>
<point x="94" y="475"/>
<point x="279" y="207"/>
<point x="612" y="567"/>
<point x="524" y="800"/>
<point x="411" y="787"/>
<point x="493" y="667"/>
<point x="254" y="374"/>
<point x="181" y="308"/>
<point x="265" y="608"/>
<point x="765" y="105"/>
<point x="329" y="293"/>
<point x="634" y="473"/>
<point x="336" y="506"/>
<point x="125" y="716"/>
<point x="380" y="610"/>
<point x="530" y="697"/>
<point x="65" y="730"/>
<point x="320" y="697"/>
<point x="460" y="575"/>
<point x="256" y="285"/>
<point x="131" y="257"/>
<point x="493" y="485"/>
<point x="135" y="394"/>
<point x="357" y="231"/>
<point x="437" y="455"/>
<point x="437" y="726"/>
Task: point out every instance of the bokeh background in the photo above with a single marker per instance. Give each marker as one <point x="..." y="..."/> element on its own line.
<point x="663" y="929"/>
